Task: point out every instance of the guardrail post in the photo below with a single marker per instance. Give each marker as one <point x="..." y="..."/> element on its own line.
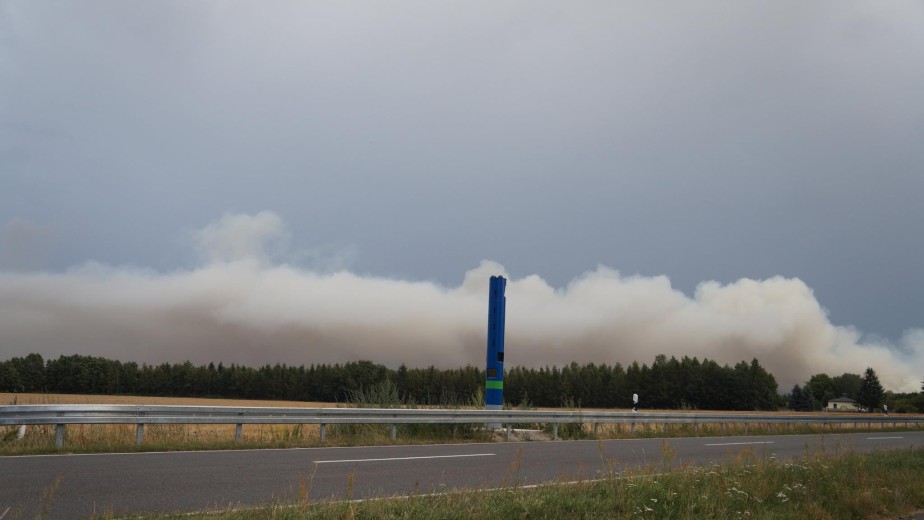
<point x="632" y="427"/>
<point x="455" y="430"/>
<point x="139" y="433"/>
<point x="59" y="436"/>
<point x="238" y="432"/>
<point x="509" y="429"/>
<point x="323" y="432"/>
<point x="747" y="427"/>
<point x="21" y="433"/>
<point x="394" y="431"/>
<point x="555" y="431"/>
<point x="595" y="429"/>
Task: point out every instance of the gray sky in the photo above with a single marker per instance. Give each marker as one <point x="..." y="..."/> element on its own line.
<point x="764" y="152"/>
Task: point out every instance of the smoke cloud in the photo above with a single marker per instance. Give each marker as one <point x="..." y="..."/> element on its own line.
<point x="24" y="245"/>
<point x="243" y="306"/>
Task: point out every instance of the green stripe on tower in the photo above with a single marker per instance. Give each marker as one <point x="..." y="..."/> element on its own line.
<point x="495" y="385"/>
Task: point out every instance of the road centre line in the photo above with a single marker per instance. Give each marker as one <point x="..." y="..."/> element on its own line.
<point x="738" y="443"/>
<point x="882" y="438"/>
<point x="407" y="458"/>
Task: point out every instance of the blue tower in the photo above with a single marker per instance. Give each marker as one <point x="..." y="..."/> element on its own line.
<point x="494" y="386"/>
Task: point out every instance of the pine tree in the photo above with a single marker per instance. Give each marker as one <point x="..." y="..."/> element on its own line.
<point x="809" y="396"/>
<point x="871" y="392"/>
<point x="796" y="399"/>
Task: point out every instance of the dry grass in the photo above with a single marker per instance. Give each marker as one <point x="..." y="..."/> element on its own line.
<point x="97" y="438"/>
<point x="113" y="437"/>
<point x="9" y="398"/>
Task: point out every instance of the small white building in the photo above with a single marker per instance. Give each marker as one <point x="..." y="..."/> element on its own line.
<point x="843" y="404"/>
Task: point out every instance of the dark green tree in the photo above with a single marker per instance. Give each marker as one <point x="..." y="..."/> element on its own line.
<point x="847" y="385"/>
<point x="798" y="401"/>
<point x="10" y="380"/>
<point x="809" y="399"/>
<point x="822" y="386"/>
<point x="31" y="371"/>
<point x="871" y="393"/>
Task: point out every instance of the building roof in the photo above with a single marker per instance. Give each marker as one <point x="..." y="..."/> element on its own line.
<point x="844" y="399"/>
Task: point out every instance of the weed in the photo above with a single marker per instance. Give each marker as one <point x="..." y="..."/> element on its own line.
<point x="48" y="495"/>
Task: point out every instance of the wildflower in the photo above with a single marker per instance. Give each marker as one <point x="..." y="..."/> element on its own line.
<point x="655" y="500"/>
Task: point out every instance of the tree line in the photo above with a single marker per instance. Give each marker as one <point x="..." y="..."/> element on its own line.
<point x="666" y="383"/>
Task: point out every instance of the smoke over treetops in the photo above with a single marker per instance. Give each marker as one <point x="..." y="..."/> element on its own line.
<point x="242" y="306"/>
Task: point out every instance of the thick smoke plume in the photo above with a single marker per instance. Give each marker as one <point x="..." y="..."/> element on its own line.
<point x="240" y="306"/>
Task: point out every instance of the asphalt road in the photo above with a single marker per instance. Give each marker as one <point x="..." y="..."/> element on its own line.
<point x="195" y="481"/>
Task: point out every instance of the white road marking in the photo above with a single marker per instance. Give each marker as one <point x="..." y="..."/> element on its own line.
<point x="406" y="458"/>
<point x="882" y="438"/>
<point x="738" y="443"/>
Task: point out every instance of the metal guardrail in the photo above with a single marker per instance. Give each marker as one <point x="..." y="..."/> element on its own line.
<point x="140" y="415"/>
